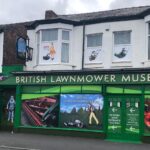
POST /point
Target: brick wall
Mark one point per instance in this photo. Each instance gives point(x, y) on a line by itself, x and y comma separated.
point(11, 33)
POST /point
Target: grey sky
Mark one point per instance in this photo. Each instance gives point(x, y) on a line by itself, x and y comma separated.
point(26, 10)
point(128, 3)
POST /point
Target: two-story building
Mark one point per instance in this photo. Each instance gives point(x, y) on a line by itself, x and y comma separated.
point(81, 74)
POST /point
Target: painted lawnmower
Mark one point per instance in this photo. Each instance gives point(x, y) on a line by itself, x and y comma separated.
point(122, 54)
point(76, 123)
point(94, 54)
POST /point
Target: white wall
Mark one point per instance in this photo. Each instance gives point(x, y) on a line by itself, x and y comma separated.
point(138, 38)
point(1, 50)
point(138, 43)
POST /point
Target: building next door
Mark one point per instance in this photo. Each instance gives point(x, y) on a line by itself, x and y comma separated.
point(124, 117)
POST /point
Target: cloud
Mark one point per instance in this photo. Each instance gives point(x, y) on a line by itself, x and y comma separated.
point(115, 4)
point(24, 10)
point(12, 11)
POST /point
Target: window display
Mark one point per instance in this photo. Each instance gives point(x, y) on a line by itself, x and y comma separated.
point(81, 111)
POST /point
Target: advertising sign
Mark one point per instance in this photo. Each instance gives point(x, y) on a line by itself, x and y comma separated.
point(114, 116)
point(81, 111)
point(132, 117)
point(147, 115)
point(93, 55)
point(122, 53)
point(21, 48)
point(39, 110)
point(48, 53)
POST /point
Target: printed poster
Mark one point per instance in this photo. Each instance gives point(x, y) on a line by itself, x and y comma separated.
point(81, 111)
point(48, 53)
point(147, 115)
point(39, 110)
point(122, 53)
point(93, 55)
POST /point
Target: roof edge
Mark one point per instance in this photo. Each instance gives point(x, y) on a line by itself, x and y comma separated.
point(85, 71)
point(86, 22)
point(49, 21)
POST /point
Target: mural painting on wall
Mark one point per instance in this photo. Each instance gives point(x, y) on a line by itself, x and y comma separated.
point(48, 53)
point(93, 55)
point(2, 78)
point(122, 53)
point(11, 108)
point(81, 111)
point(40, 110)
point(147, 115)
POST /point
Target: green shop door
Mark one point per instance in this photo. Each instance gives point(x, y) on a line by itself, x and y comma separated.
point(123, 119)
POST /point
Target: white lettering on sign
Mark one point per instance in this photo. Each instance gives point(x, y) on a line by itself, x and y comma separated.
point(93, 79)
point(80, 79)
point(89, 78)
point(125, 78)
point(31, 79)
point(143, 78)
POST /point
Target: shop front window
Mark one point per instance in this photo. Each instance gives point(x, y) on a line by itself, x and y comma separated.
point(78, 107)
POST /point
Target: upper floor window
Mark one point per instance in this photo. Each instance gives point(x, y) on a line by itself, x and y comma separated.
point(148, 41)
point(93, 48)
point(54, 46)
point(50, 35)
point(122, 46)
point(65, 47)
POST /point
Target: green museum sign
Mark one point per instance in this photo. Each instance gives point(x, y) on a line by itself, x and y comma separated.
point(78, 79)
point(85, 79)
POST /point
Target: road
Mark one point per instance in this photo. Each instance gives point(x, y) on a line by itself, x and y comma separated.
point(24, 141)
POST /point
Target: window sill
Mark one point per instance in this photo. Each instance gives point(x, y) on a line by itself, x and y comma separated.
point(56, 64)
point(54, 67)
point(146, 63)
point(122, 64)
point(94, 65)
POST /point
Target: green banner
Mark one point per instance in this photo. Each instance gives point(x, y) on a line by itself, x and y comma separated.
point(97, 78)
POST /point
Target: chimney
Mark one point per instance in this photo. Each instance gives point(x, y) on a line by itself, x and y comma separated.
point(49, 14)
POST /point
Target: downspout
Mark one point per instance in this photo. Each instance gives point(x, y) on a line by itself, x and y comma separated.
point(83, 46)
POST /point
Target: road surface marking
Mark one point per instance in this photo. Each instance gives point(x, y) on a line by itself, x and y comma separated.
point(17, 148)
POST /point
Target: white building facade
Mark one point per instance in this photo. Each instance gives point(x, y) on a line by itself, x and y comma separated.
point(119, 42)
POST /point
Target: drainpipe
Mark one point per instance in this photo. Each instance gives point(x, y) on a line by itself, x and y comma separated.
point(83, 46)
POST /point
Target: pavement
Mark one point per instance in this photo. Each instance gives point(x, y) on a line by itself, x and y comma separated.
point(26, 141)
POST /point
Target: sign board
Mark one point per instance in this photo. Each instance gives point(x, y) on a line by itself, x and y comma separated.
point(114, 116)
point(134, 78)
point(132, 117)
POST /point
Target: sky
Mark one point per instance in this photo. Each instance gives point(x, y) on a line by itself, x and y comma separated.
point(12, 11)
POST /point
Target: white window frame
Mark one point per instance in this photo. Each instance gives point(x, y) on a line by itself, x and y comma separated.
point(59, 45)
point(66, 42)
point(148, 44)
point(88, 52)
point(38, 38)
point(126, 46)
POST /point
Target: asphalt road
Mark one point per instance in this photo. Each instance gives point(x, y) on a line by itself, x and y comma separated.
point(20, 141)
